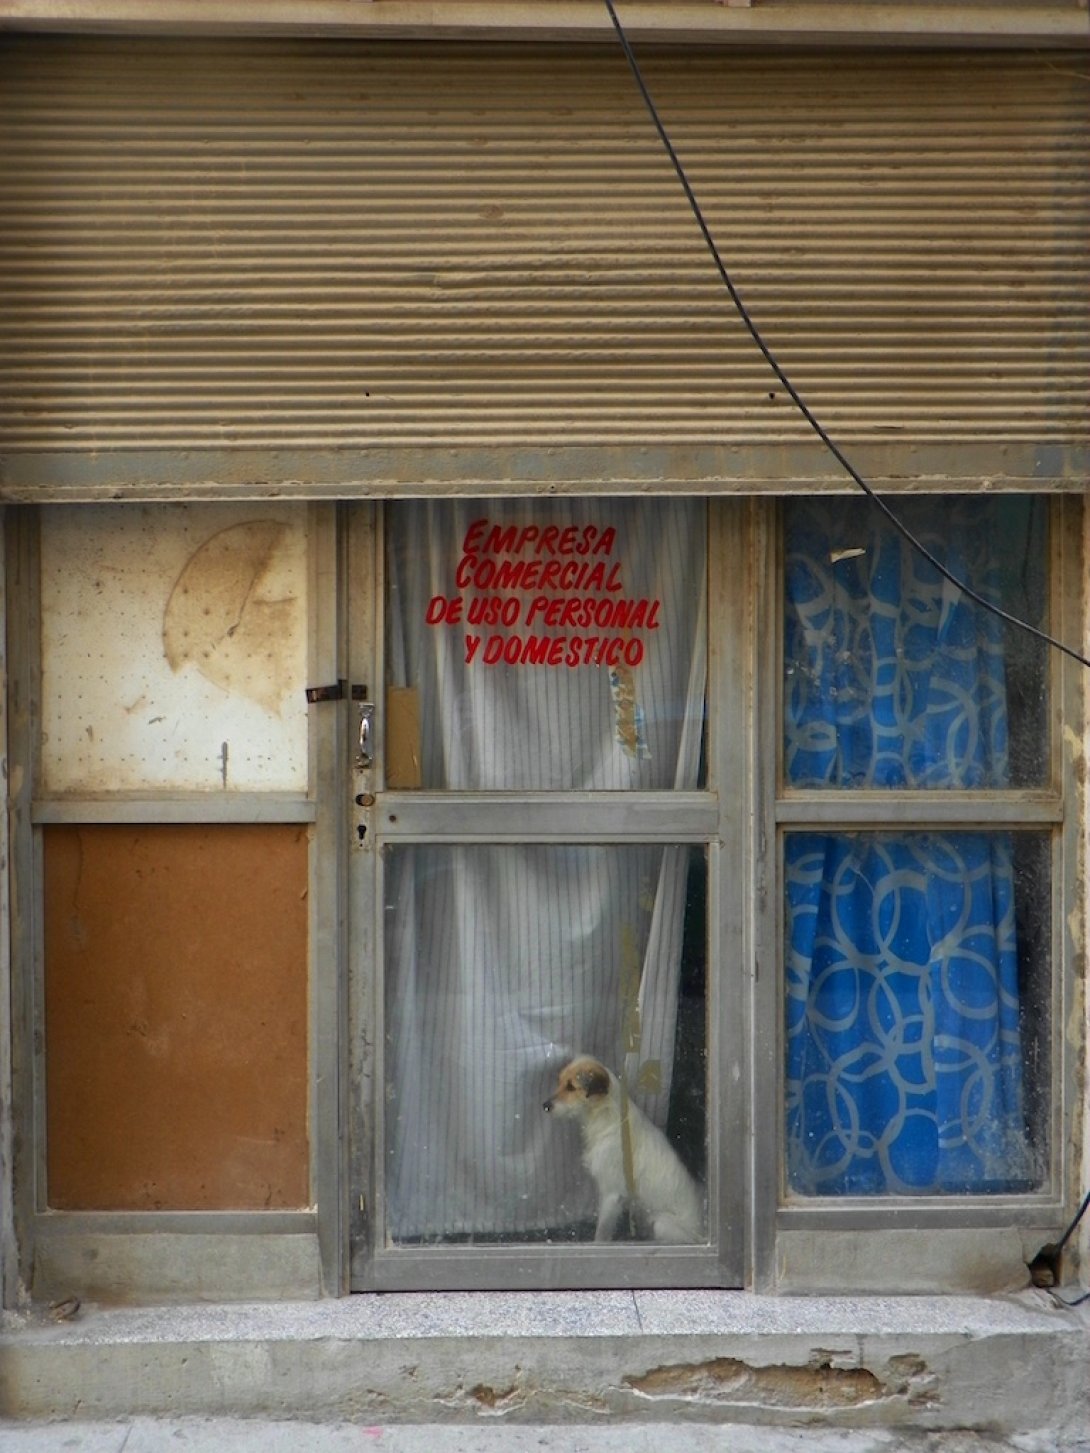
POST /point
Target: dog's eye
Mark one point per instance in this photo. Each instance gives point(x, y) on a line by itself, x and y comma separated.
point(570, 1085)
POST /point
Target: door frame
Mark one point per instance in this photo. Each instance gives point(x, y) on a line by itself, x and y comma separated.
point(716, 816)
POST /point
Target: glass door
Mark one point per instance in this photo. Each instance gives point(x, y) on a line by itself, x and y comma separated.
point(535, 939)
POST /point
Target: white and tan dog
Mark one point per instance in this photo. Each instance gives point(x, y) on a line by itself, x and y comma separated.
point(663, 1196)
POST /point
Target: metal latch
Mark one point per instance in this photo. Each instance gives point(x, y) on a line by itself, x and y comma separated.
point(364, 749)
point(335, 691)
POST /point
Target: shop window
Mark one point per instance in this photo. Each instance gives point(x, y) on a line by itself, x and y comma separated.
point(916, 945)
point(550, 856)
point(502, 964)
point(538, 905)
point(544, 660)
point(554, 647)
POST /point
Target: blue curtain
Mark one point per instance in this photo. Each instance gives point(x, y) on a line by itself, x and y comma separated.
point(903, 1021)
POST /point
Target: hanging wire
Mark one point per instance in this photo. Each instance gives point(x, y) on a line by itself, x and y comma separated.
point(1066, 1237)
point(841, 458)
point(792, 392)
point(1049, 1257)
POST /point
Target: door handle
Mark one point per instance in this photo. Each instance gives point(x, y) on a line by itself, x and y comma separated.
point(365, 736)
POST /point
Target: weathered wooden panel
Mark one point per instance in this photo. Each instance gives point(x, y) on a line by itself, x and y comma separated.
point(367, 246)
point(176, 1017)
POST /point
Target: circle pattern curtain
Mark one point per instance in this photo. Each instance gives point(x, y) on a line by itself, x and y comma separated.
point(904, 1012)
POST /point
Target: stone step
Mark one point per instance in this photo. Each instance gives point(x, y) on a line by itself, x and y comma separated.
point(1000, 1365)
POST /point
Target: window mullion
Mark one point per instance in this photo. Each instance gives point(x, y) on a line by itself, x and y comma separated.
point(895, 809)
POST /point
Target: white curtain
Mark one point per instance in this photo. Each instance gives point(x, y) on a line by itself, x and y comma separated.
point(504, 961)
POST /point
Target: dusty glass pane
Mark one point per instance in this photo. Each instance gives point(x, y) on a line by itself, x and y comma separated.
point(545, 644)
point(503, 966)
point(174, 647)
point(894, 679)
point(917, 1012)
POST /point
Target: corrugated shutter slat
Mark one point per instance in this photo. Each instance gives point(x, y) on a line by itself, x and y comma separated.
point(322, 244)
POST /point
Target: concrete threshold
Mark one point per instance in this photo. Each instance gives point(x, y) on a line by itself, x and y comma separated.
point(999, 1366)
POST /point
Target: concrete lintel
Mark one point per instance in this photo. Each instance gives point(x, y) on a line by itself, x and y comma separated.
point(1012, 1365)
point(754, 467)
point(685, 21)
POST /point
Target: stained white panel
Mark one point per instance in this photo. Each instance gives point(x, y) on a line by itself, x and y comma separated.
point(174, 648)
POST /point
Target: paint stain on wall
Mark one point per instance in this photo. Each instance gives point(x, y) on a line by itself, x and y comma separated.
point(226, 616)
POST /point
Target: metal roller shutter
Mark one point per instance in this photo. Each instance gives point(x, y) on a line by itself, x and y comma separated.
point(325, 266)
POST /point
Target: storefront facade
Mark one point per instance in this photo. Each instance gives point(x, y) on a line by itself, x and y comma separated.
point(438, 649)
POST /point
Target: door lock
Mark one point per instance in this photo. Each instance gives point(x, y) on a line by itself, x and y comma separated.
point(365, 739)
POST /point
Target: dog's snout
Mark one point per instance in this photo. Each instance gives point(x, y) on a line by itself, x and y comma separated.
point(548, 1105)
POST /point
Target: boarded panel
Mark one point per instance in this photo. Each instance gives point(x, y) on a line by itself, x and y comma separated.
point(336, 245)
point(174, 648)
point(176, 1017)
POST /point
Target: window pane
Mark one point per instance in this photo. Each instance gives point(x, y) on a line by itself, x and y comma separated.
point(548, 644)
point(174, 643)
point(891, 677)
point(916, 1015)
point(504, 964)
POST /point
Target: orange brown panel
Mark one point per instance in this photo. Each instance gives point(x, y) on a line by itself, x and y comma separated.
point(176, 1017)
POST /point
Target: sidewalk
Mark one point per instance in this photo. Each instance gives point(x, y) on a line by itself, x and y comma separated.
point(218, 1435)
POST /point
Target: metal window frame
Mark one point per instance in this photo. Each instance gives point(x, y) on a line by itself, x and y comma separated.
point(808, 1222)
point(165, 1254)
point(713, 817)
point(296, 1252)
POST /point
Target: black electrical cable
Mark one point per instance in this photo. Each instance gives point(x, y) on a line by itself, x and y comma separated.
point(1069, 1302)
point(793, 393)
point(833, 448)
point(1054, 1253)
point(1079, 1214)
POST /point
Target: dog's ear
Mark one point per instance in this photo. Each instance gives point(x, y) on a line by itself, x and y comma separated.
point(594, 1080)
